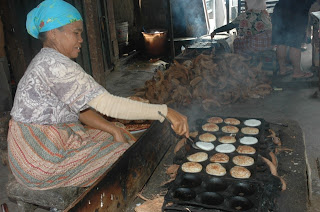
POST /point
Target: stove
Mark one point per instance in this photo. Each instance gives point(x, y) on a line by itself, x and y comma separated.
point(201, 191)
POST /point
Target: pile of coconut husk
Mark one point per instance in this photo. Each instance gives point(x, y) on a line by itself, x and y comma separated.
point(211, 80)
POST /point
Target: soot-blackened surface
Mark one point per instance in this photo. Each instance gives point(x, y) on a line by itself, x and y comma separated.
point(292, 167)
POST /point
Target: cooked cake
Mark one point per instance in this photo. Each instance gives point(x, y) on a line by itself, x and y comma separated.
point(219, 158)
point(250, 130)
point(240, 172)
point(243, 149)
point(191, 167)
point(210, 127)
point(215, 120)
point(227, 139)
point(230, 129)
point(242, 160)
point(232, 121)
point(207, 137)
point(198, 157)
point(215, 169)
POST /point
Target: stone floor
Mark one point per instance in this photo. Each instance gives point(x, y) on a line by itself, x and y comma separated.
point(293, 102)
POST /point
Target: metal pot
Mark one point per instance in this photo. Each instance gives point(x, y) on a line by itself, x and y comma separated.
point(155, 41)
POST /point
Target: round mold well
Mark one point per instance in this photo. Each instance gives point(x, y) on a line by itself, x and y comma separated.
point(268, 139)
point(190, 181)
point(261, 166)
point(240, 203)
point(210, 198)
point(243, 188)
point(263, 147)
point(215, 184)
point(184, 194)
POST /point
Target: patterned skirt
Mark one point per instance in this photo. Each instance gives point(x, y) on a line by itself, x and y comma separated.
point(51, 156)
point(253, 44)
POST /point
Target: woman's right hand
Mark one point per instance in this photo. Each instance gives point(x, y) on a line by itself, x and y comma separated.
point(179, 122)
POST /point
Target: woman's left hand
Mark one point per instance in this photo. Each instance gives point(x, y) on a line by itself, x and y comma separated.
point(119, 136)
point(179, 122)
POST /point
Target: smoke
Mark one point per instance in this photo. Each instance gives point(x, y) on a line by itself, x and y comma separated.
point(189, 19)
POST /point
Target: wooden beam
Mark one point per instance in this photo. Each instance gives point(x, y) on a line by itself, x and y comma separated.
point(18, 50)
point(92, 24)
point(114, 49)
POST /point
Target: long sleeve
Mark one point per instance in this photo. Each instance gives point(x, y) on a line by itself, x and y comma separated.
point(226, 27)
point(124, 108)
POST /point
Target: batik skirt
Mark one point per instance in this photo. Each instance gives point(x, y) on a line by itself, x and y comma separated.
point(51, 156)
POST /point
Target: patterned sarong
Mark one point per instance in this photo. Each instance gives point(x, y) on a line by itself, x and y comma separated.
point(51, 156)
point(253, 44)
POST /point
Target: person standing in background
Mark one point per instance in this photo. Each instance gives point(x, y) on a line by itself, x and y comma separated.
point(253, 29)
point(289, 23)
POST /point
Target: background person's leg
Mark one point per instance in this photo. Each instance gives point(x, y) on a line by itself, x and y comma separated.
point(281, 57)
point(295, 58)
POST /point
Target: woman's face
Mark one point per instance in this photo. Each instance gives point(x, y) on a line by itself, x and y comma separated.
point(67, 40)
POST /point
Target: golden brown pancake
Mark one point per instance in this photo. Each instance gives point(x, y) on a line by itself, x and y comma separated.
point(250, 130)
point(191, 167)
point(215, 120)
point(219, 158)
point(198, 157)
point(210, 127)
point(227, 139)
point(230, 129)
point(215, 169)
point(242, 160)
point(194, 134)
point(232, 121)
point(240, 172)
point(243, 149)
point(207, 137)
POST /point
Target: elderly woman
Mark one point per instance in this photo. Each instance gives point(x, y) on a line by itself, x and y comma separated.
point(49, 147)
point(253, 26)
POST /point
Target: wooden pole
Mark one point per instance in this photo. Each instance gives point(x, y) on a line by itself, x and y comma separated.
point(171, 35)
point(94, 41)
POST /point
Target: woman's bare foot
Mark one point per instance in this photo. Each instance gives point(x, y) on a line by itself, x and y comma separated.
point(285, 71)
point(302, 75)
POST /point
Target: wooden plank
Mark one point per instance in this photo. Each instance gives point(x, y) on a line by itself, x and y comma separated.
point(315, 17)
point(118, 187)
point(19, 52)
point(114, 49)
point(84, 57)
point(92, 25)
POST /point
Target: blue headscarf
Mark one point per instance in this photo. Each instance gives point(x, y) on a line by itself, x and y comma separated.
point(51, 14)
